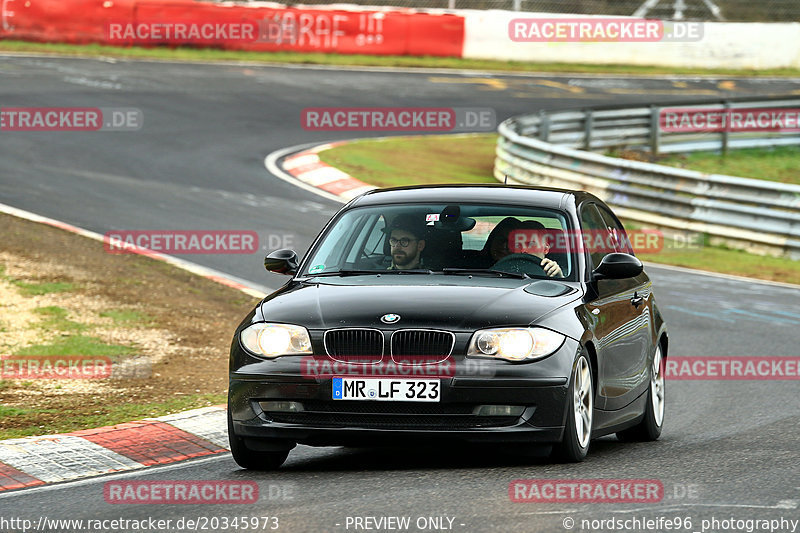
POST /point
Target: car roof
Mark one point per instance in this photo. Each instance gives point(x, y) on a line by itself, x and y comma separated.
point(467, 193)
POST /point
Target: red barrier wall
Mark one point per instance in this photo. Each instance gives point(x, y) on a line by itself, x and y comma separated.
point(269, 29)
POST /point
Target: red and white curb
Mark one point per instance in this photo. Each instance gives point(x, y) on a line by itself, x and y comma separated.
point(305, 169)
point(31, 461)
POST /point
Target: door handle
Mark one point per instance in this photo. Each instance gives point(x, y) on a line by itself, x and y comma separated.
point(637, 300)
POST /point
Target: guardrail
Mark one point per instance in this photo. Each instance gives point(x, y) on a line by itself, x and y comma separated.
point(757, 215)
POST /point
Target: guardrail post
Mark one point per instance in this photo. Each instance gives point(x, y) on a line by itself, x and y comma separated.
point(588, 124)
point(655, 129)
point(726, 130)
point(544, 126)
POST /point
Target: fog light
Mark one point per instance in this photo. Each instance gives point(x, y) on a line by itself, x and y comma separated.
point(282, 407)
point(499, 410)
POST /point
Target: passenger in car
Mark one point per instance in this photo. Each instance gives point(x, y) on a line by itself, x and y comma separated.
point(497, 249)
point(528, 239)
point(496, 246)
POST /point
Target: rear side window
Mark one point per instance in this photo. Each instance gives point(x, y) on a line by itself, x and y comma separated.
point(594, 233)
point(617, 232)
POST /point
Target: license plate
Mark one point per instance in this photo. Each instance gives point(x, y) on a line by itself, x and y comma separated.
point(387, 390)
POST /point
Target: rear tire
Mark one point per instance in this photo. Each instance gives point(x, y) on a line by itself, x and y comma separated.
point(250, 459)
point(649, 428)
point(574, 445)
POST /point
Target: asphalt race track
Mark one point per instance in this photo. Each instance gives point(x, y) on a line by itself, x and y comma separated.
point(729, 448)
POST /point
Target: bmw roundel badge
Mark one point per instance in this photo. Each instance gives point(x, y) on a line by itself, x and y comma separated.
point(390, 318)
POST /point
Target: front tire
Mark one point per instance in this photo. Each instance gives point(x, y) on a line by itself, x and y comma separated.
point(578, 430)
point(250, 459)
point(649, 428)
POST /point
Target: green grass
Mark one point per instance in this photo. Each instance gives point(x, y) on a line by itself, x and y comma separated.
point(114, 413)
point(10, 411)
point(77, 345)
point(55, 318)
point(727, 261)
point(449, 159)
point(127, 317)
point(38, 289)
point(777, 164)
point(416, 160)
point(210, 54)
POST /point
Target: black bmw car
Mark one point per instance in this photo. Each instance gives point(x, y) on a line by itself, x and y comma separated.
point(491, 314)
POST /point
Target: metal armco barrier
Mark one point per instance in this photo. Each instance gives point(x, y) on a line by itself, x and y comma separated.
point(757, 215)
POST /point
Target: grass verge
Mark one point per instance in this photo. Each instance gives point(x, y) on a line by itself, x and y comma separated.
point(777, 164)
point(122, 412)
point(166, 332)
point(469, 159)
point(210, 54)
point(411, 160)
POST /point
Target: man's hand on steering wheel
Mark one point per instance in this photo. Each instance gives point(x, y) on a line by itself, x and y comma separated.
point(551, 268)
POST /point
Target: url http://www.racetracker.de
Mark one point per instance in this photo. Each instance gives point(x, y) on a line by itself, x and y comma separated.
point(178, 525)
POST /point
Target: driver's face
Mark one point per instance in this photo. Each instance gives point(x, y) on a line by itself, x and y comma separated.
point(520, 243)
point(405, 257)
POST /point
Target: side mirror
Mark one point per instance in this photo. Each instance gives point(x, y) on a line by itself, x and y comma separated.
point(618, 266)
point(281, 262)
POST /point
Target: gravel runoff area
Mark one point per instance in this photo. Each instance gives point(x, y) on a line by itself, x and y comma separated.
point(174, 329)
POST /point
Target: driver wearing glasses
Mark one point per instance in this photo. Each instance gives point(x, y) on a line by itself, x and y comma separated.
point(406, 242)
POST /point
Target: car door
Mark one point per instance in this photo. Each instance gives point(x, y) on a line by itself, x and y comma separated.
point(620, 311)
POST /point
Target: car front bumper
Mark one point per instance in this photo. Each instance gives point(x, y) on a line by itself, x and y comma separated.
point(539, 387)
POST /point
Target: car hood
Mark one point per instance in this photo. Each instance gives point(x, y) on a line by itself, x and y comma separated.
point(459, 305)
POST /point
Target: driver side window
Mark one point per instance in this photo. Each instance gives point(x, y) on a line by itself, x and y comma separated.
point(369, 244)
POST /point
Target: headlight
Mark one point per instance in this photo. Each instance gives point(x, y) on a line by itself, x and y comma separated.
point(515, 344)
point(273, 340)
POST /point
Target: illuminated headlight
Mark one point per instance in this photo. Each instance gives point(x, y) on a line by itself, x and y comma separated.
point(273, 340)
point(515, 344)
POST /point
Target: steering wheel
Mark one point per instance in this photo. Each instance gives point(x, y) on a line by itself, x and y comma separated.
point(522, 263)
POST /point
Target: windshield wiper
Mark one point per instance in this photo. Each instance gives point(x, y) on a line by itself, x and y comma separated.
point(345, 273)
point(356, 272)
point(409, 271)
point(489, 271)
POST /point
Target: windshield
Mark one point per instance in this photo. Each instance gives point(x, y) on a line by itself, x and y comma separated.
point(444, 238)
